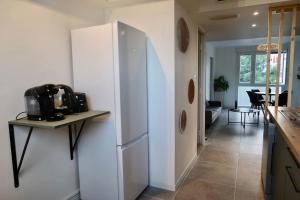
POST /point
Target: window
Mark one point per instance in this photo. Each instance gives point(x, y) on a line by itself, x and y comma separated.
point(245, 68)
point(260, 68)
point(254, 71)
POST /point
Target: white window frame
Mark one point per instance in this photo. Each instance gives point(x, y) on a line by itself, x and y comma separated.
point(253, 71)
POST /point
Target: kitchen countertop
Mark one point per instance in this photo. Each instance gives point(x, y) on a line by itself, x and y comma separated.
point(289, 131)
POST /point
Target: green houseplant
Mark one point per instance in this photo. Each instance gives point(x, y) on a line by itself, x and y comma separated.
point(221, 84)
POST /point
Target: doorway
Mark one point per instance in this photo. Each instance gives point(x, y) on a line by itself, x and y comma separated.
point(211, 78)
point(201, 94)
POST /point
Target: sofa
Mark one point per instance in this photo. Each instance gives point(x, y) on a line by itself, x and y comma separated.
point(213, 110)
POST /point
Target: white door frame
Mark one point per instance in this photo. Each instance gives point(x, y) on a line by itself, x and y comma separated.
point(201, 87)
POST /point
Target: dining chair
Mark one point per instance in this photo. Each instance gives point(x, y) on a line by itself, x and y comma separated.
point(259, 96)
point(256, 103)
point(282, 99)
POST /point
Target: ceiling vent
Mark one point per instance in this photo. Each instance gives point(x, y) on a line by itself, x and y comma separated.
point(224, 17)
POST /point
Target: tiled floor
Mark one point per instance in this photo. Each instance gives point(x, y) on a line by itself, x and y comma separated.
point(228, 167)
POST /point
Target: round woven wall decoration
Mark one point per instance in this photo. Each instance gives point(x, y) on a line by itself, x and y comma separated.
point(182, 121)
point(183, 35)
point(191, 91)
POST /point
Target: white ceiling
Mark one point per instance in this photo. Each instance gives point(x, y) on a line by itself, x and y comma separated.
point(91, 10)
point(239, 28)
point(97, 3)
point(200, 10)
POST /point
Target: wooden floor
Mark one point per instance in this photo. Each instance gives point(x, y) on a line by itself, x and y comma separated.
point(228, 166)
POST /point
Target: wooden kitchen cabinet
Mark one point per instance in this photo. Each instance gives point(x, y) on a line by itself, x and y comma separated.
point(285, 156)
point(292, 177)
point(292, 184)
point(285, 172)
point(278, 168)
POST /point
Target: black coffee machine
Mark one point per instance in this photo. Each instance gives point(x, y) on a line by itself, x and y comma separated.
point(39, 102)
point(81, 103)
point(68, 102)
point(51, 102)
point(64, 100)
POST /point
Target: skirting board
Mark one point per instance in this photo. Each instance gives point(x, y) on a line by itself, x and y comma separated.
point(73, 196)
point(186, 171)
point(163, 186)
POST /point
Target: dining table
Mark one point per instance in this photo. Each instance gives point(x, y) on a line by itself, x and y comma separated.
point(264, 93)
point(271, 94)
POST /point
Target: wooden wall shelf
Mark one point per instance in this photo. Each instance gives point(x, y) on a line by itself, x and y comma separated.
point(68, 121)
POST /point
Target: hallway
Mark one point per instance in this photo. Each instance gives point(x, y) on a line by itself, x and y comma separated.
point(227, 168)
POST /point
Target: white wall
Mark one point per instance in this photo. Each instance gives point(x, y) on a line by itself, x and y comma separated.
point(34, 50)
point(226, 66)
point(157, 21)
point(209, 53)
point(296, 82)
point(186, 68)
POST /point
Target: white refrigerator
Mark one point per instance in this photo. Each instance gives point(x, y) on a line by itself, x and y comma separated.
point(109, 65)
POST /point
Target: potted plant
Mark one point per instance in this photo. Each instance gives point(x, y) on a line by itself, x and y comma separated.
point(221, 85)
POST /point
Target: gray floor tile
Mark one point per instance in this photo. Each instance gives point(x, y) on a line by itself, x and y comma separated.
point(220, 157)
point(248, 195)
point(159, 193)
point(226, 146)
point(213, 173)
point(227, 168)
point(251, 148)
point(248, 179)
point(143, 197)
point(250, 160)
point(200, 190)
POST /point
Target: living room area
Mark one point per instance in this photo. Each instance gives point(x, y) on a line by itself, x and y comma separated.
point(239, 70)
point(236, 68)
point(236, 73)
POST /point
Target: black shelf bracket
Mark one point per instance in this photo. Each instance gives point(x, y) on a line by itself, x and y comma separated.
point(73, 146)
point(16, 166)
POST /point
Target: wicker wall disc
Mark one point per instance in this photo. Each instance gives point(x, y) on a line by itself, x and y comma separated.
point(191, 91)
point(182, 121)
point(183, 35)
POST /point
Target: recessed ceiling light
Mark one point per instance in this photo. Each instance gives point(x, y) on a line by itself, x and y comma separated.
point(253, 25)
point(256, 13)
